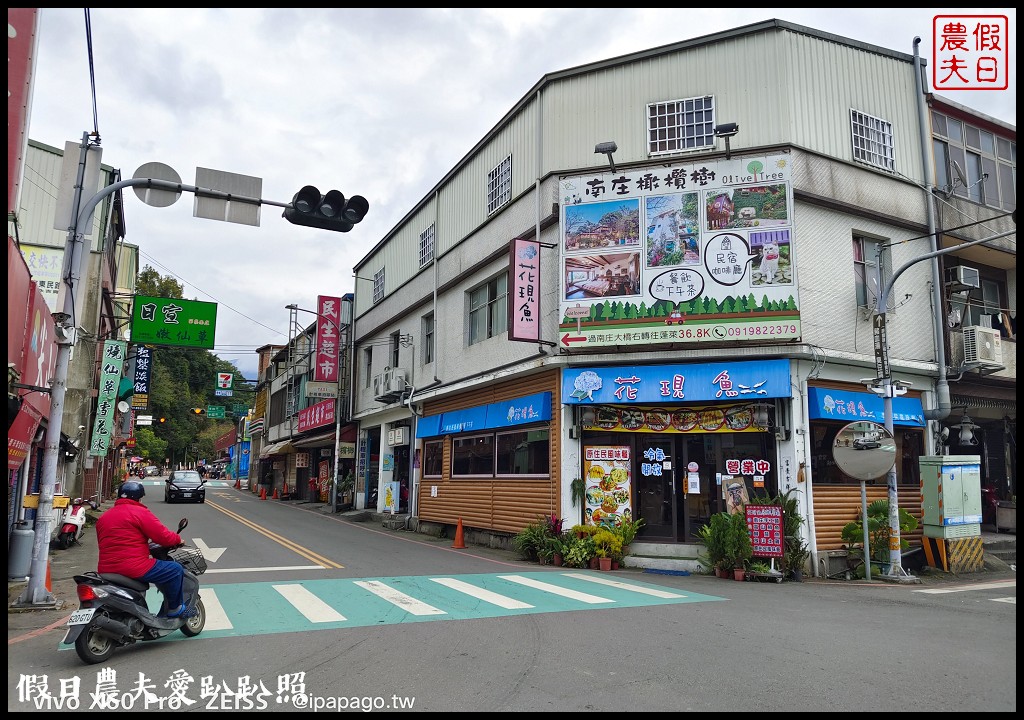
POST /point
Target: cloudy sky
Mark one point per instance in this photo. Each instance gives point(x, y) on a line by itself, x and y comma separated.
point(371, 101)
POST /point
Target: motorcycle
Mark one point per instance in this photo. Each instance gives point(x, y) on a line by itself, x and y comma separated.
point(113, 612)
point(71, 526)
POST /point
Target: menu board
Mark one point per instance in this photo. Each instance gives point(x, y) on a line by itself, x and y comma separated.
point(608, 493)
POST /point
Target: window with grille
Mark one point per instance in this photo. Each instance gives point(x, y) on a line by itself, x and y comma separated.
point(378, 286)
point(427, 246)
point(396, 342)
point(681, 125)
point(368, 365)
point(488, 309)
point(974, 163)
point(428, 338)
point(872, 141)
point(499, 185)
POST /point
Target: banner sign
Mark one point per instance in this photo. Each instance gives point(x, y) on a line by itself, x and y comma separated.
point(45, 264)
point(174, 321)
point(524, 303)
point(20, 435)
point(316, 415)
point(764, 524)
point(143, 371)
point(691, 419)
point(328, 338)
point(111, 367)
point(679, 253)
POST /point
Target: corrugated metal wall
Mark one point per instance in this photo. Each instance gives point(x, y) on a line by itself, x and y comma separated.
point(504, 505)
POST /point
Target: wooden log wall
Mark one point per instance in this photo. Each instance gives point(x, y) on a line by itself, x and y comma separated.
point(837, 505)
point(500, 504)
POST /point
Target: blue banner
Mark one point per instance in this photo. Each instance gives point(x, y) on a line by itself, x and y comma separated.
point(699, 382)
point(849, 406)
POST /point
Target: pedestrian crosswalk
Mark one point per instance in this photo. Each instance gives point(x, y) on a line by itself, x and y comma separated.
point(275, 607)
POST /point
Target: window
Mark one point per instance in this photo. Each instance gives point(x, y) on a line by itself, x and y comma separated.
point(865, 271)
point(428, 338)
point(368, 364)
point(983, 305)
point(499, 185)
point(433, 458)
point(680, 125)
point(473, 455)
point(975, 164)
point(523, 452)
point(396, 342)
point(872, 141)
point(378, 286)
point(506, 453)
point(488, 309)
point(427, 246)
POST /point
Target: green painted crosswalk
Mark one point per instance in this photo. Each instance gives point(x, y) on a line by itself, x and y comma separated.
point(241, 609)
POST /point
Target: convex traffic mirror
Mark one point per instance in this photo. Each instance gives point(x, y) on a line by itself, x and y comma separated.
point(864, 450)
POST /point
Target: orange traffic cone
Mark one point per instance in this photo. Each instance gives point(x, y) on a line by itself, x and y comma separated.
point(459, 543)
point(263, 493)
point(49, 582)
point(274, 496)
point(238, 484)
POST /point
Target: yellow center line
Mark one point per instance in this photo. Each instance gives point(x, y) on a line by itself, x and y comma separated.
point(298, 549)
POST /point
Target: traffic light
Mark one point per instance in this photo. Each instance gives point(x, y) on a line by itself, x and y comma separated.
point(327, 212)
point(163, 420)
point(199, 411)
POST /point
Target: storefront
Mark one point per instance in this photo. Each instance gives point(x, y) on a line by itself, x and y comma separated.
point(837, 496)
point(490, 457)
point(674, 444)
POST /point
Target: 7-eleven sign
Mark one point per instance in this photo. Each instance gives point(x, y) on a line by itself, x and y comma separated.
point(225, 384)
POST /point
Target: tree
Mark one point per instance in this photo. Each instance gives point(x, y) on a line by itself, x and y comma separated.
point(151, 283)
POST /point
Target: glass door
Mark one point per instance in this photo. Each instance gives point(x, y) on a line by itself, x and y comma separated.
point(654, 471)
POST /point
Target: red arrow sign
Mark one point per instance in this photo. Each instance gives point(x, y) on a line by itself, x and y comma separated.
point(566, 339)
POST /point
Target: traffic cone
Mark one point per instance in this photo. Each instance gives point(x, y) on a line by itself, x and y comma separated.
point(274, 496)
point(238, 484)
point(49, 582)
point(459, 543)
point(263, 493)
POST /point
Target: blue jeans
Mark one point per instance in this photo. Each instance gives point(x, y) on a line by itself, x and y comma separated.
point(167, 576)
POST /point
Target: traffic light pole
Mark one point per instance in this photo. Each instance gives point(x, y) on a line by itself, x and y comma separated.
point(35, 594)
point(885, 386)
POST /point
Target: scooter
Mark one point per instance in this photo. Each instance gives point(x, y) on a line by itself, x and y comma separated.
point(71, 526)
point(113, 612)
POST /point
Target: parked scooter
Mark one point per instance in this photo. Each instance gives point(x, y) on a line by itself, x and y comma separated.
point(71, 525)
point(113, 612)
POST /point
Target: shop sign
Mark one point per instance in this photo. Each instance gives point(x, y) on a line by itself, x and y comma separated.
point(174, 321)
point(301, 460)
point(764, 523)
point(692, 419)
point(608, 493)
point(316, 415)
point(524, 301)
point(328, 339)
point(699, 382)
point(111, 367)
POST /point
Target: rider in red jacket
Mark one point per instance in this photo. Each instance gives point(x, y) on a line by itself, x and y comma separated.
point(123, 535)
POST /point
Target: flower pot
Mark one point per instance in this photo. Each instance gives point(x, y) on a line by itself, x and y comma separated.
point(556, 559)
point(739, 574)
point(604, 563)
point(798, 576)
point(615, 564)
point(593, 563)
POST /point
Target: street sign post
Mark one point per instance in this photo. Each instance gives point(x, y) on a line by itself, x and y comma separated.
point(881, 347)
point(215, 412)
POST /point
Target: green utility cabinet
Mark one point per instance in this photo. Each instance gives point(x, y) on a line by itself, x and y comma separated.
point(951, 496)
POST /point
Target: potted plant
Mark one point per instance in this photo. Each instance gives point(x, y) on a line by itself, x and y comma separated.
point(627, 532)
point(578, 494)
point(530, 539)
point(607, 546)
point(740, 546)
point(713, 537)
point(878, 535)
point(580, 552)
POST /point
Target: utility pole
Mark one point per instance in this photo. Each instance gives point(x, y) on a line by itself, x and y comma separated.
point(885, 386)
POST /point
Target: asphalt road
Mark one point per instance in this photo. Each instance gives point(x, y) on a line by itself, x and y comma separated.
point(309, 607)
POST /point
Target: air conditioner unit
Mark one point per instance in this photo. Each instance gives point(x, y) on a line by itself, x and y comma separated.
point(962, 277)
point(397, 382)
point(983, 346)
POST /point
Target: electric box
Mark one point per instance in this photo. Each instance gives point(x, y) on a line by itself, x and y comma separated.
point(951, 495)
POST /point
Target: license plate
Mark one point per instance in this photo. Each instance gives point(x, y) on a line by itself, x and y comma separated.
point(186, 494)
point(82, 617)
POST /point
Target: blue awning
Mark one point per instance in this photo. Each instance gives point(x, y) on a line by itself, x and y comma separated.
point(849, 406)
point(519, 411)
point(428, 426)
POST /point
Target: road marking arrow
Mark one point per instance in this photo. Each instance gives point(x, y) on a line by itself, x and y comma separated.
point(211, 554)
